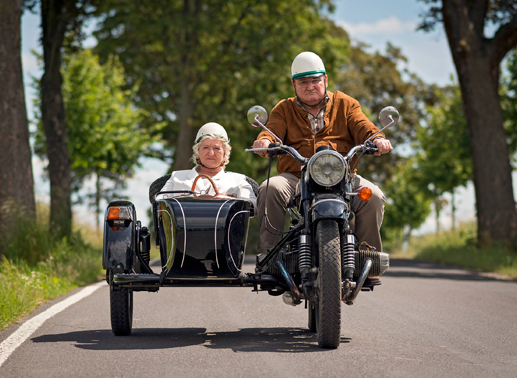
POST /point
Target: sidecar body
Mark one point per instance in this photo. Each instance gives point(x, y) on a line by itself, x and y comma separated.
point(201, 241)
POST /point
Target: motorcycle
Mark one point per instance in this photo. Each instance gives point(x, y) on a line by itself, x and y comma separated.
point(202, 241)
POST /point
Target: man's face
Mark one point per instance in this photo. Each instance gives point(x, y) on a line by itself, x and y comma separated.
point(310, 90)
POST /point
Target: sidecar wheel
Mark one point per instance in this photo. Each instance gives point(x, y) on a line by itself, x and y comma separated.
point(328, 304)
point(121, 306)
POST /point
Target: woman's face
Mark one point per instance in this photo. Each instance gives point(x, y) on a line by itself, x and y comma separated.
point(211, 152)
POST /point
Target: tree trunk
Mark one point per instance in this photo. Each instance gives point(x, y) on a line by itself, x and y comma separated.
point(186, 135)
point(17, 186)
point(477, 63)
point(98, 191)
point(453, 211)
point(189, 39)
point(437, 209)
point(53, 19)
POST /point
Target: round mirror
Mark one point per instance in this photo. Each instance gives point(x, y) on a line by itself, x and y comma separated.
point(260, 113)
point(388, 114)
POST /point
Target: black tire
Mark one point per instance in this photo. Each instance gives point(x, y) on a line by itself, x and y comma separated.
point(312, 317)
point(121, 306)
point(328, 305)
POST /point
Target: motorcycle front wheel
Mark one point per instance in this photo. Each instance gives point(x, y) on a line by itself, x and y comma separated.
point(328, 304)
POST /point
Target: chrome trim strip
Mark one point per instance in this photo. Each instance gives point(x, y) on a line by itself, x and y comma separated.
point(228, 236)
point(215, 233)
point(329, 200)
point(184, 232)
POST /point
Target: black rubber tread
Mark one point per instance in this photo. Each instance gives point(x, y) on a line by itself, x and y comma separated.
point(253, 184)
point(312, 318)
point(157, 185)
point(328, 307)
point(121, 308)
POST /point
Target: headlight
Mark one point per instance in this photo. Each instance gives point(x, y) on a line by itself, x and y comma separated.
point(327, 168)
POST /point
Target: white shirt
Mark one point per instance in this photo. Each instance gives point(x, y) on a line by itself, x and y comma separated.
point(226, 183)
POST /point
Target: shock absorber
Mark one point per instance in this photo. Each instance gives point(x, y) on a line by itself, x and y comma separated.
point(348, 256)
point(305, 251)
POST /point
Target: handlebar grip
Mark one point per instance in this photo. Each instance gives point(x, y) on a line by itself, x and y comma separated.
point(371, 148)
point(277, 152)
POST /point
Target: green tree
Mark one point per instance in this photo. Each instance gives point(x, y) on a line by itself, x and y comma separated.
point(61, 23)
point(201, 61)
point(508, 92)
point(105, 140)
point(477, 58)
point(444, 159)
point(407, 205)
point(17, 188)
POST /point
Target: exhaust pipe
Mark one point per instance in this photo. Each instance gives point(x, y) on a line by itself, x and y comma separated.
point(349, 299)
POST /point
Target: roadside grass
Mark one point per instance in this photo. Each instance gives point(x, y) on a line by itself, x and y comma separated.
point(458, 247)
point(36, 267)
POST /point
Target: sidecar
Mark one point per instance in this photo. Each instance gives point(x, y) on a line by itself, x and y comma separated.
point(202, 241)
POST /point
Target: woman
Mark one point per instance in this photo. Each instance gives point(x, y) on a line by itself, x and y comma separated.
point(211, 155)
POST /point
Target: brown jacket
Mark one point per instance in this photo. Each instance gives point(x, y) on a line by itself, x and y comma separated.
point(345, 127)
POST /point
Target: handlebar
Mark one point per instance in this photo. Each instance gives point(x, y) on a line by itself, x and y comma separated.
point(283, 149)
point(367, 149)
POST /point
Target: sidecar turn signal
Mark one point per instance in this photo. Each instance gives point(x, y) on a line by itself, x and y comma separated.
point(365, 194)
point(119, 213)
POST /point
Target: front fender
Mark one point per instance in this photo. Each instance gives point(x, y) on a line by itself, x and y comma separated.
point(329, 208)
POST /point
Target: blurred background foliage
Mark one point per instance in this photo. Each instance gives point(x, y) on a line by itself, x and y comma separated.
point(172, 66)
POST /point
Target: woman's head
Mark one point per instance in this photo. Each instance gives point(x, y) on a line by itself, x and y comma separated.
point(212, 147)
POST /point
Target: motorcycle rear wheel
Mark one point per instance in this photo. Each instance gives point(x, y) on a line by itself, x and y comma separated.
point(328, 304)
point(121, 309)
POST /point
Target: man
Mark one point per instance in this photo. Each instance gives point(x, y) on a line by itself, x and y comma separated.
point(314, 118)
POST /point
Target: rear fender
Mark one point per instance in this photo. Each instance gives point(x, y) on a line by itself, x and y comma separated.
point(120, 235)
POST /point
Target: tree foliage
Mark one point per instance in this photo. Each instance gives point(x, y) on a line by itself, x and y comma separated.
point(444, 160)
point(105, 139)
point(211, 60)
point(508, 92)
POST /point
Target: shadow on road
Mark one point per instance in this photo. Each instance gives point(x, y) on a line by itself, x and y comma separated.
point(291, 340)
point(406, 268)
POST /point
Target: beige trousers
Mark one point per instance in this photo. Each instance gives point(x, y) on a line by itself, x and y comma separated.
point(368, 214)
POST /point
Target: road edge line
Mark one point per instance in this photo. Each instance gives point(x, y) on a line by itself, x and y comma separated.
point(9, 345)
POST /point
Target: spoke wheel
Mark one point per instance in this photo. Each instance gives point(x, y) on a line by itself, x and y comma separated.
point(121, 306)
point(328, 305)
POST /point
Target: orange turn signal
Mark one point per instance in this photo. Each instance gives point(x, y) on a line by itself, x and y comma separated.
point(365, 194)
point(113, 213)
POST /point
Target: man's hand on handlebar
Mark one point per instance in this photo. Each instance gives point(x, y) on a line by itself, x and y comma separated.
point(383, 145)
point(261, 143)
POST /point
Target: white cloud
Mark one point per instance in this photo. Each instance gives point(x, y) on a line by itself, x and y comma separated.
point(385, 26)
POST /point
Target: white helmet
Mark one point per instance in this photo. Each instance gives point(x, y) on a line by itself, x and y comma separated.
point(211, 129)
point(307, 64)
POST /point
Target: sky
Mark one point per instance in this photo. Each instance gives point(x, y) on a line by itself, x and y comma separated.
point(374, 22)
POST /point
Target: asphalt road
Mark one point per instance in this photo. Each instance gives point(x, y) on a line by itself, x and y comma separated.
point(425, 320)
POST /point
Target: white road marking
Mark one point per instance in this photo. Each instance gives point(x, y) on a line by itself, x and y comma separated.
point(8, 346)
